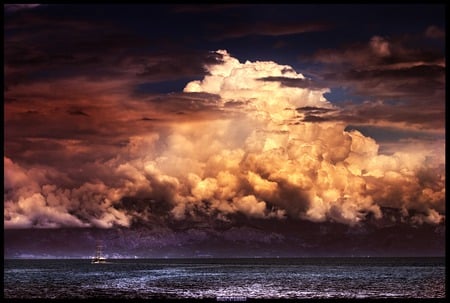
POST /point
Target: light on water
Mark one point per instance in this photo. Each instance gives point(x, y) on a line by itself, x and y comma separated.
point(226, 279)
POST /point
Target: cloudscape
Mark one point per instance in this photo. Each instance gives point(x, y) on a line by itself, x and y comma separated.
point(224, 130)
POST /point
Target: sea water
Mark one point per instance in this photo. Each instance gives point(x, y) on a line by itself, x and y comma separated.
point(226, 279)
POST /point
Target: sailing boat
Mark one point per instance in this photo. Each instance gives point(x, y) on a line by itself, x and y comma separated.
point(98, 258)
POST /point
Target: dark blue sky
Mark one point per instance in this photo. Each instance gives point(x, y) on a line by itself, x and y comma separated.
point(295, 35)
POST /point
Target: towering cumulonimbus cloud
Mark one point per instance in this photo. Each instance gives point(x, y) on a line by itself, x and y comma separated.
point(259, 158)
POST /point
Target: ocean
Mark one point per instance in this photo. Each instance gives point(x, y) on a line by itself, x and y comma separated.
point(225, 279)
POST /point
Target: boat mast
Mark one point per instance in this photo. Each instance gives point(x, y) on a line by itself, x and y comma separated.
point(98, 252)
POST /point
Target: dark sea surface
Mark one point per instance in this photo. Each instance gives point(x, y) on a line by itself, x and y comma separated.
point(226, 279)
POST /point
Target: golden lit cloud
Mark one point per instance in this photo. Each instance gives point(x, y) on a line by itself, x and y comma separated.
point(260, 162)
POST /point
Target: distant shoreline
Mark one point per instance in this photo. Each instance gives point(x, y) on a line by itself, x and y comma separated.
point(235, 258)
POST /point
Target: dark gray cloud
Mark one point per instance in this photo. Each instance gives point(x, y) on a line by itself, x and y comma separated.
point(435, 32)
point(186, 8)
point(182, 64)
point(318, 114)
point(269, 28)
point(295, 82)
point(386, 68)
point(10, 8)
point(77, 112)
point(150, 119)
point(401, 78)
point(315, 110)
point(314, 118)
point(41, 46)
point(427, 117)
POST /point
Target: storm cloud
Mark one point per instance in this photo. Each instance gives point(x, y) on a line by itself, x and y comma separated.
point(257, 158)
point(401, 79)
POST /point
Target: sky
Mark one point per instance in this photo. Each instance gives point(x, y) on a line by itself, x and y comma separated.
point(123, 116)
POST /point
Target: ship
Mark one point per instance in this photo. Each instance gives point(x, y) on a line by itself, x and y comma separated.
point(98, 257)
